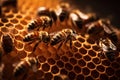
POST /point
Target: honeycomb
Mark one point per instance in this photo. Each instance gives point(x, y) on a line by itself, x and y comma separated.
point(79, 63)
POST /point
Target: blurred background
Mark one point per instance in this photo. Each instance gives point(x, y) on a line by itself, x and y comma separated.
point(103, 8)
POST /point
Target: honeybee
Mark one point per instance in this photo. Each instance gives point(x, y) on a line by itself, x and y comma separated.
point(63, 36)
point(79, 19)
point(25, 65)
point(7, 43)
point(40, 22)
point(41, 36)
point(107, 48)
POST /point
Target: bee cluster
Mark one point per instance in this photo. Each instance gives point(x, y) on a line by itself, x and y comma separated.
point(58, 44)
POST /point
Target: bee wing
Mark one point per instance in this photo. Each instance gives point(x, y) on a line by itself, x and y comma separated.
point(112, 46)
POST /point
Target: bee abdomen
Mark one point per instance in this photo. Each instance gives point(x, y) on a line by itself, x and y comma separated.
point(7, 43)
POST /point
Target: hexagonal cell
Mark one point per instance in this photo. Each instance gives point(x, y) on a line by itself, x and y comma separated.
point(95, 73)
point(73, 61)
point(10, 16)
point(81, 40)
point(96, 60)
point(48, 76)
point(71, 75)
point(51, 61)
point(68, 66)
point(115, 65)
point(80, 77)
point(63, 71)
point(109, 71)
point(64, 58)
point(4, 20)
point(100, 68)
point(4, 29)
point(85, 71)
point(7, 25)
point(91, 41)
point(77, 44)
point(87, 58)
point(89, 78)
point(87, 46)
point(90, 65)
point(54, 69)
point(14, 21)
point(92, 53)
point(60, 64)
point(104, 77)
point(106, 63)
point(23, 22)
point(81, 62)
point(83, 51)
point(77, 69)
point(19, 26)
point(74, 49)
point(45, 67)
point(41, 59)
point(96, 48)
point(78, 55)
point(69, 54)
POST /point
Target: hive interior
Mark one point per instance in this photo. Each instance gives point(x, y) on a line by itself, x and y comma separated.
point(78, 63)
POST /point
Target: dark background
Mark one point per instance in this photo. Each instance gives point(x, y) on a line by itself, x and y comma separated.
point(103, 8)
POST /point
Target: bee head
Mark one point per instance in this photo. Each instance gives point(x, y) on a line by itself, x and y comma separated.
point(46, 39)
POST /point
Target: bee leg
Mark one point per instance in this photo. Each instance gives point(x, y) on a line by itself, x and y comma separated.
point(35, 46)
point(60, 45)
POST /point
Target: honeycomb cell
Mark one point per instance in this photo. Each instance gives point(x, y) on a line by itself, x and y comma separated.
point(8, 25)
point(69, 54)
point(18, 16)
point(91, 41)
point(81, 62)
point(82, 50)
point(4, 20)
point(27, 48)
point(23, 22)
point(91, 65)
point(1, 24)
point(92, 53)
point(89, 78)
point(41, 59)
point(19, 26)
point(100, 68)
point(4, 29)
point(40, 73)
point(57, 78)
point(106, 62)
point(21, 54)
point(19, 38)
point(45, 67)
point(96, 60)
point(95, 73)
point(81, 40)
point(87, 46)
point(60, 64)
point(64, 58)
point(27, 17)
point(48, 76)
point(87, 58)
point(77, 44)
point(71, 75)
point(103, 77)
point(80, 77)
point(77, 69)
point(78, 56)
point(109, 71)
point(73, 61)
point(19, 45)
point(63, 71)
point(85, 71)
point(68, 66)
point(51, 61)
point(10, 16)
point(54, 69)
point(96, 48)
point(14, 21)
point(14, 31)
point(74, 49)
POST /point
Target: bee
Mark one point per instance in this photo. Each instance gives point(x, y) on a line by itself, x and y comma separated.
point(44, 11)
point(63, 12)
point(63, 36)
point(40, 22)
point(40, 36)
point(79, 19)
point(25, 65)
point(107, 48)
point(108, 31)
point(7, 43)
